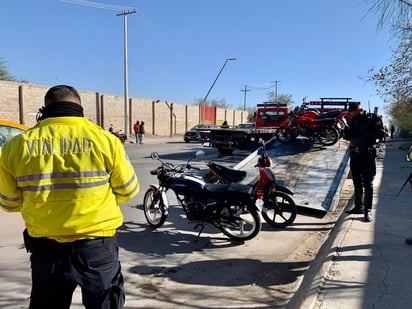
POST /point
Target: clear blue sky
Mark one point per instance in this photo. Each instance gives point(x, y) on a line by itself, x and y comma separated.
point(315, 48)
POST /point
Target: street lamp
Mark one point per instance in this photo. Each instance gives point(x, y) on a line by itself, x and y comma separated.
point(210, 89)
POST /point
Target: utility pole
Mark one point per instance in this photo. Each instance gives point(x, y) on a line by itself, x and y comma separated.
point(276, 84)
point(244, 97)
point(124, 13)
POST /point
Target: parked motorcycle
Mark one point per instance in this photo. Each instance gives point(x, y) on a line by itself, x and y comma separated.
point(230, 207)
point(118, 134)
point(317, 130)
point(279, 209)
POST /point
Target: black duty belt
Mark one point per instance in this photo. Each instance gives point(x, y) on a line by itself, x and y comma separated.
point(51, 244)
point(360, 149)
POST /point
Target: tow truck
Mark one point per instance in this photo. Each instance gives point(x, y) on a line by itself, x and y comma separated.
point(268, 117)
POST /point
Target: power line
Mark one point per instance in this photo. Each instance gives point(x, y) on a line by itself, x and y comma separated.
point(98, 5)
point(276, 84)
point(141, 20)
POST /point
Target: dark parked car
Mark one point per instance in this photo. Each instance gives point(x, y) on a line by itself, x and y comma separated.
point(199, 133)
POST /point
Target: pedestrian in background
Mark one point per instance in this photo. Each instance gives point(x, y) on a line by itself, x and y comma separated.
point(142, 131)
point(66, 176)
point(392, 130)
point(364, 131)
point(136, 129)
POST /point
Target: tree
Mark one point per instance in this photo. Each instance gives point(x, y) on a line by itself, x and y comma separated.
point(394, 81)
point(281, 98)
point(4, 71)
point(395, 13)
point(221, 103)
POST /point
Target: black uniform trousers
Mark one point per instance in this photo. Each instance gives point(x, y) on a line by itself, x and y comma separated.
point(57, 269)
point(363, 169)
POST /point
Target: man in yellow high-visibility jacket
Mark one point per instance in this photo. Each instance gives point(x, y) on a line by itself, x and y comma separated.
point(66, 176)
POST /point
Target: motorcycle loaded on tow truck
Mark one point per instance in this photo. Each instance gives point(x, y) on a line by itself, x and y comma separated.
point(300, 122)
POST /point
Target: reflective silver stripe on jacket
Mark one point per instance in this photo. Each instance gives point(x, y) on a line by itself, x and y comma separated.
point(8, 207)
point(131, 192)
point(126, 184)
point(61, 175)
point(65, 186)
point(7, 198)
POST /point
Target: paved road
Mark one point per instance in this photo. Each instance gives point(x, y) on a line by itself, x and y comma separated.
point(168, 268)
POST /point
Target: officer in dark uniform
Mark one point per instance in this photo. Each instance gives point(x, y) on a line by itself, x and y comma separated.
point(363, 132)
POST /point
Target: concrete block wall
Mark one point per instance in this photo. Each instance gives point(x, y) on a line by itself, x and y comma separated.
point(20, 102)
point(9, 101)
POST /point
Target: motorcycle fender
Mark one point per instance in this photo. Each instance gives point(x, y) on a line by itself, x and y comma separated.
point(165, 200)
point(283, 189)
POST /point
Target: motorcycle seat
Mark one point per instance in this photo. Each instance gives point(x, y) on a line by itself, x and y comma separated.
point(234, 191)
point(324, 121)
point(229, 174)
point(252, 176)
point(332, 114)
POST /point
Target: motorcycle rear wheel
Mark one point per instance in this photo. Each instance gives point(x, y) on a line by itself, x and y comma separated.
point(328, 136)
point(279, 210)
point(239, 222)
point(153, 207)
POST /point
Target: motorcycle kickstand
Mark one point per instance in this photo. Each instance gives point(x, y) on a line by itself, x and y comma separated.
point(202, 227)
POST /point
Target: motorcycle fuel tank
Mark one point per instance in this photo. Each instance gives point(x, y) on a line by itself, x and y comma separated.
point(187, 184)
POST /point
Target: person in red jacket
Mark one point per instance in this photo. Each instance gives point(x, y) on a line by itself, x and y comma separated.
point(136, 129)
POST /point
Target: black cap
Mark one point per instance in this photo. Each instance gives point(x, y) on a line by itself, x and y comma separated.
point(353, 106)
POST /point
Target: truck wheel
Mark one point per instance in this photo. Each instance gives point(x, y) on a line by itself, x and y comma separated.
point(225, 151)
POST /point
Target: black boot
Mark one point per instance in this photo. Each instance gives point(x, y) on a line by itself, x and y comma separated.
point(368, 215)
point(355, 210)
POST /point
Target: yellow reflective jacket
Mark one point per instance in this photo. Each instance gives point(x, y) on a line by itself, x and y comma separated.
point(66, 175)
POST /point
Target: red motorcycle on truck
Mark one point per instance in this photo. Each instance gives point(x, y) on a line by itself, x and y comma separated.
point(279, 209)
point(341, 116)
point(305, 123)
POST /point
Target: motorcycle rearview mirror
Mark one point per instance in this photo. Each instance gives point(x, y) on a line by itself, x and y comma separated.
point(199, 154)
point(154, 155)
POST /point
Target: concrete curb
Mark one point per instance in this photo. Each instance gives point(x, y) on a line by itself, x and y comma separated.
point(311, 283)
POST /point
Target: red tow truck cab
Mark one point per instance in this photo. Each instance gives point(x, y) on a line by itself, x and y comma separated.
point(271, 115)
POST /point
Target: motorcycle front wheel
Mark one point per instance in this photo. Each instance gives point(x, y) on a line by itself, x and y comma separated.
point(279, 210)
point(285, 136)
point(239, 222)
point(153, 207)
point(328, 136)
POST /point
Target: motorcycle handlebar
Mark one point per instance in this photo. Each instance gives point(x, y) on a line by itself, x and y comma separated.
point(193, 167)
